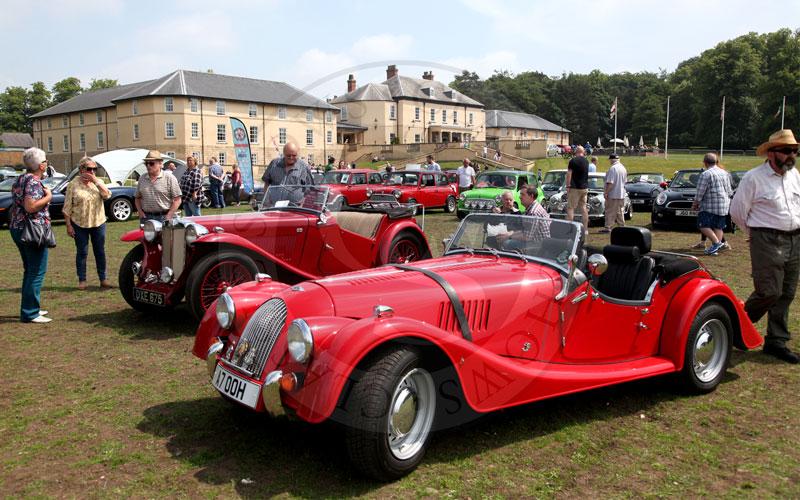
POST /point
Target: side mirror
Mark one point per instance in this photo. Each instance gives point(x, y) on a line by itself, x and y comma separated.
point(597, 264)
point(446, 242)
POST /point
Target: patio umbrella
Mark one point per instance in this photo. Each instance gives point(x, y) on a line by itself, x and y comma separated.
point(641, 141)
point(618, 141)
point(656, 141)
point(599, 144)
point(625, 142)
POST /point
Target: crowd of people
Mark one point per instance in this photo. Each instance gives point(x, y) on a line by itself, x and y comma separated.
point(766, 206)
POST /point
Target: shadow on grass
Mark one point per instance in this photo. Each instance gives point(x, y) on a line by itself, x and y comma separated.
point(136, 325)
point(230, 444)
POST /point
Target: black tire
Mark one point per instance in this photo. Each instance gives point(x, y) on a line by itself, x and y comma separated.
point(708, 349)
point(451, 204)
point(629, 214)
point(206, 200)
point(460, 214)
point(406, 247)
point(120, 209)
point(208, 278)
point(383, 441)
point(127, 280)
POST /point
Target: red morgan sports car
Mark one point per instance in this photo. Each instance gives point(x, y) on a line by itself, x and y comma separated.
point(292, 238)
point(350, 186)
point(427, 188)
point(513, 312)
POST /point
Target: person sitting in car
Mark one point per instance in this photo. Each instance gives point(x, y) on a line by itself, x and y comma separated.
point(534, 231)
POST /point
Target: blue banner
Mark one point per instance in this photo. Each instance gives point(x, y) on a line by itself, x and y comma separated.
point(241, 148)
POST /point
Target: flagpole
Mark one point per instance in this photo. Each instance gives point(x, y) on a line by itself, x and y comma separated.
point(722, 131)
point(783, 110)
point(616, 112)
point(666, 140)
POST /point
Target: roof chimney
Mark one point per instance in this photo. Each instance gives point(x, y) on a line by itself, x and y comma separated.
point(391, 71)
point(351, 84)
point(428, 75)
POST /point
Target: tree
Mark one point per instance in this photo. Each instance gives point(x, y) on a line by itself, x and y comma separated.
point(66, 89)
point(13, 107)
point(102, 83)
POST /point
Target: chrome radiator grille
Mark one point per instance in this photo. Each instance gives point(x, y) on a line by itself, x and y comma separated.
point(259, 336)
point(173, 247)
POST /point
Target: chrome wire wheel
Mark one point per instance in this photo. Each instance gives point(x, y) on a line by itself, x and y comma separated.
point(709, 353)
point(411, 413)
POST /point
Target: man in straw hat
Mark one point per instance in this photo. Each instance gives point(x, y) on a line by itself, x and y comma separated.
point(767, 206)
point(158, 195)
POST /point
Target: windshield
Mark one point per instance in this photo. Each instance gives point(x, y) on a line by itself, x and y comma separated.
point(736, 178)
point(335, 177)
point(685, 179)
point(293, 196)
point(504, 181)
point(545, 240)
point(553, 180)
point(404, 178)
point(597, 182)
point(49, 183)
point(644, 178)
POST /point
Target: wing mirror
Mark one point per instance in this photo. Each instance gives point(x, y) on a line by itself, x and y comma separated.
point(446, 242)
point(597, 264)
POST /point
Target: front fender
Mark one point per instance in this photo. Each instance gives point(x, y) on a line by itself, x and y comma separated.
point(395, 229)
point(134, 235)
point(685, 305)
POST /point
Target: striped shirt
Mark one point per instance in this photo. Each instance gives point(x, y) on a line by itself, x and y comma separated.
point(714, 191)
point(157, 195)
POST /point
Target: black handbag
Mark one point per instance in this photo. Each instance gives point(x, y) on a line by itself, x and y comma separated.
point(36, 235)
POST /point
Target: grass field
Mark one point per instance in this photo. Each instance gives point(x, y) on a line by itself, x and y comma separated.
point(105, 401)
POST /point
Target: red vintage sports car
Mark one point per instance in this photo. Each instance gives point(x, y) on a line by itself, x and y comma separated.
point(350, 187)
point(427, 188)
point(514, 312)
point(292, 238)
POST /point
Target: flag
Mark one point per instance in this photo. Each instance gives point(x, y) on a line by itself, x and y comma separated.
point(614, 109)
point(241, 147)
point(777, 113)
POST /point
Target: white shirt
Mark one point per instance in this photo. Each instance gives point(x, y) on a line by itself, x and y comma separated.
point(616, 176)
point(766, 199)
point(465, 175)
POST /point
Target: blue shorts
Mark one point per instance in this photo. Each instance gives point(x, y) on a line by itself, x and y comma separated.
point(713, 221)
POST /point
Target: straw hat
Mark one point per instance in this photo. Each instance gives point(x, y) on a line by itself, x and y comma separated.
point(783, 137)
point(153, 154)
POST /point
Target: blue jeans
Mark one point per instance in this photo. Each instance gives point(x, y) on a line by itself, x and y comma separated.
point(191, 208)
point(34, 261)
point(217, 198)
point(98, 237)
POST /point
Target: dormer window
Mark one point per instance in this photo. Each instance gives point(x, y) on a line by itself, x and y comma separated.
point(449, 94)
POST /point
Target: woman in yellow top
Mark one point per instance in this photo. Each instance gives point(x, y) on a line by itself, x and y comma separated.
point(85, 216)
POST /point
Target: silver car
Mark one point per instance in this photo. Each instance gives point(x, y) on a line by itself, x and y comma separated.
point(595, 203)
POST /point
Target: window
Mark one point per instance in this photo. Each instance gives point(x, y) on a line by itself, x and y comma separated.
point(309, 115)
point(309, 137)
point(470, 118)
point(50, 123)
point(344, 113)
point(282, 112)
point(100, 140)
point(195, 130)
point(80, 120)
point(433, 115)
point(221, 136)
point(329, 116)
point(66, 143)
point(455, 117)
point(49, 144)
point(392, 112)
point(99, 116)
point(359, 179)
point(134, 107)
point(169, 106)
point(221, 157)
point(416, 113)
point(417, 138)
point(253, 135)
point(392, 137)
point(169, 130)
point(171, 154)
point(254, 159)
point(82, 142)
point(194, 105)
point(281, 136)
point(220, 108)
point(375, 178)
point(329, 136)
point(444, 116)
point(135, 131)
point(545, 135)
point(64, 121)
point(252, 110)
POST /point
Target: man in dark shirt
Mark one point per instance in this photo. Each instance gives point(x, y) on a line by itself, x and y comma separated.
point(287, 171)
point(578, 186)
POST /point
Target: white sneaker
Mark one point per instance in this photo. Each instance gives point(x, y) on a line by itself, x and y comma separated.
point(43, 312)
point(725, 246)
point(41, 319)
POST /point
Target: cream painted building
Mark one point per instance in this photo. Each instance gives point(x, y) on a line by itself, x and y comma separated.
point(509, 125)
point(404, 110)
point(188, 113)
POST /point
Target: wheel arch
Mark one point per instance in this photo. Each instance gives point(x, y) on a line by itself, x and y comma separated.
point(406, 226)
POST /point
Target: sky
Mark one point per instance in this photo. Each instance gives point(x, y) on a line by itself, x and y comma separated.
point(314, 45)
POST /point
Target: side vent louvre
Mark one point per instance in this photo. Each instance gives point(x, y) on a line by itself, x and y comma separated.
point(477, 312)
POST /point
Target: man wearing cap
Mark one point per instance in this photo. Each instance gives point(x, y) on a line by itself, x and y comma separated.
point(767, 206)
point(614, 192)
point(158, 195)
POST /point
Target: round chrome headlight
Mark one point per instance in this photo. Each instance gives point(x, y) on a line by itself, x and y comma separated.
point(462, 197)
point(151, 230)
point(498, 198)
point(166, 274)
point(226, 311)
point(396, 193)
point(369, 193)
point(300, 340)
point(194, 231)
point(661, 198)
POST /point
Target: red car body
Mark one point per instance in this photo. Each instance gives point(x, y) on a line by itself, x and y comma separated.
point(487, 328)
point(431, 189)
point(353, 186)
point(289, 244)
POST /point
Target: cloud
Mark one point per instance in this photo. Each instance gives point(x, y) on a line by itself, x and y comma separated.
point(188, 34)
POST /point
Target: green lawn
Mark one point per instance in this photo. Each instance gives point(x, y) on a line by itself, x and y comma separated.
point(108, 402)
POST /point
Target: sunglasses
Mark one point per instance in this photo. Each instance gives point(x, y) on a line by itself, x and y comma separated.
point(786, 151)
point(150, 163)
point(90, 169)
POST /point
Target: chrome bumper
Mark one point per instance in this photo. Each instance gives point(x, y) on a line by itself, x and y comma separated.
point(271, 394)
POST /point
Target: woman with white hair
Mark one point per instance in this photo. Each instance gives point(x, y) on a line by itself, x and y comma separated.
point(31, 201)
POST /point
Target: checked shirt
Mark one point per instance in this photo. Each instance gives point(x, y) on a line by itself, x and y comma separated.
point(714, 191)
point(192, 182)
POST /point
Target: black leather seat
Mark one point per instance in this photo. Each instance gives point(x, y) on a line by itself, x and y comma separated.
point(630, 270)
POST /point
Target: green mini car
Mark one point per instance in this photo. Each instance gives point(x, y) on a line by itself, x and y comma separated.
point(488, 188)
